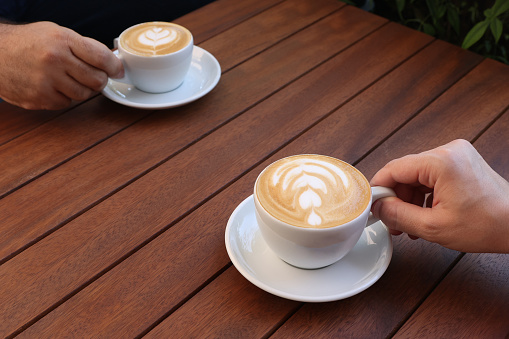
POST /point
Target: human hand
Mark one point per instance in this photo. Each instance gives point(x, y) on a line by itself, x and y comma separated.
point(46, 66)
point(468, 200)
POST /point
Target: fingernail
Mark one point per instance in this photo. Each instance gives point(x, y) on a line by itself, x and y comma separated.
point(119, 75)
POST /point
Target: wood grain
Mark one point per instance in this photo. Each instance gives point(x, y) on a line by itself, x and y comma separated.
point(55, 142)
point(412, 281)
point(496, 135)
point(204, 23)
point(125, 237)
point(220, 15)
point(472, 302)
point(387, 105)
point(263, 31)
point(17, 121)
point(324, 139)
point(420, 278)
point(284, 111)
point(69, 189)
point(378, 100)
point(464, 111)
point(38, 151)
point(99, 226)
point(146, 207)
point(478, 282)
point(240, 310)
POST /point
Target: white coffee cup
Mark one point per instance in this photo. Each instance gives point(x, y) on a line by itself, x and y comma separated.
point(155, 73)
point(310, 247)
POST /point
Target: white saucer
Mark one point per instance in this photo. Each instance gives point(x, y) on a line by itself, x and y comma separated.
point(202, 77)
point(357, 271)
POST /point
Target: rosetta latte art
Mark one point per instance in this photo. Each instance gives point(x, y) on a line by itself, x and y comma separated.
point(313, 191)
point(156, 38)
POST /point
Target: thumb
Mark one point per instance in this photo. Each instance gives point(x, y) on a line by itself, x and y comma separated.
point(401, 216)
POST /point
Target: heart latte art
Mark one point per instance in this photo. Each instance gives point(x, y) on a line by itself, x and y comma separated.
point(155, 38)
point(313, 191)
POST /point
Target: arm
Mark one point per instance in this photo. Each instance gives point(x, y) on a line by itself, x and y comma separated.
point(45, 66)
point(468, 206)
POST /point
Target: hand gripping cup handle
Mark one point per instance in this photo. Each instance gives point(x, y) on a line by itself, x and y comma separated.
point(125, 79)
point(378, 192)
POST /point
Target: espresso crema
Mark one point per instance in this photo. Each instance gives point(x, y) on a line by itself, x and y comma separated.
point(155, 38)
point(313, 191)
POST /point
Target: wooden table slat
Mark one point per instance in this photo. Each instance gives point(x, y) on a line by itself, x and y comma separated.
point(477, 283)
point(464, 111)
point(410, 283)
point(204, 23)
point(221, 15)
point(113, 162)
point(264, 30)
point(17, 121)
point(363, 311)
point(153, 206)
point(64, 137)
point(255, 315)
point(496, 134)
point(55, 142)
point(113, 222)
point(359, 311)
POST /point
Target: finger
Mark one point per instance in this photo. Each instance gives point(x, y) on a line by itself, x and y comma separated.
point(410, 193)
point(414, 169)
point(394, 232)
point(87, 75)
point(401, 216)
point(72, 89)
point(97, 55)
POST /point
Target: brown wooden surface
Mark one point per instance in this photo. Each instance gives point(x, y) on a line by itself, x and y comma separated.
point(112, 219)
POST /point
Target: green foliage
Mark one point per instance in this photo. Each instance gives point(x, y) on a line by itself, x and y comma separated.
point(481, 26)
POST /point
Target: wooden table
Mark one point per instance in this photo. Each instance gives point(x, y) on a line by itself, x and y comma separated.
point(112, 219)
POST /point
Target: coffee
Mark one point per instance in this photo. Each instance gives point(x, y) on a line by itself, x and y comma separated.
point(313, 191)
point(155, 38)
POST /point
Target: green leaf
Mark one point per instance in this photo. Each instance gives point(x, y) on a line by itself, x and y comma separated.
point(454, 19)
point(433, 9)
point(503, 51)
point(500, 6)
point(487, 46)
point(441, 10)
point(475, 34)
point(400, 5)
point(496, 27)
point(473, 13)
point(429, 29)
point(488, 13)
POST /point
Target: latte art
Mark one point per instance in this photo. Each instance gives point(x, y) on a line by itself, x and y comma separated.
point(155, 38)
point(313, 191)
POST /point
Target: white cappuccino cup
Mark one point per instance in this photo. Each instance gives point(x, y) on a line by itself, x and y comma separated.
point(156, 55)
point(312, 209)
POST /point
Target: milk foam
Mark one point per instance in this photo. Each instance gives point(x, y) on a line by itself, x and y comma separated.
point(313, 191)
point(155, 38)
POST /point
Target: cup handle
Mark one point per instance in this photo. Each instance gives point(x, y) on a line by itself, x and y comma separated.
point(379, 192)
point(125, 79)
